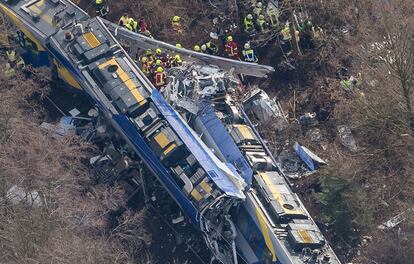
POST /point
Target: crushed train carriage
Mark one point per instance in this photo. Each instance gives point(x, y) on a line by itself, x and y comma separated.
point(235, 195)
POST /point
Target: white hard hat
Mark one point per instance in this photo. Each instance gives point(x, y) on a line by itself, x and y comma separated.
point(249, 16)
point(247, 45)
point(259, 4)
point(213, 35)
point(203, 47)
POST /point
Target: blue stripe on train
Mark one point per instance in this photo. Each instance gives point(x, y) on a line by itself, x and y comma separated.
point(155, 165)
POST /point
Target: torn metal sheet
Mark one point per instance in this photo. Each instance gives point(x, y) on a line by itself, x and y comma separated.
point(396, 220)
point(64, 127)
point(259, 104)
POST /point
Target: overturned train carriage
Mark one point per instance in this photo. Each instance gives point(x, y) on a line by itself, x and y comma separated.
point(88, 57)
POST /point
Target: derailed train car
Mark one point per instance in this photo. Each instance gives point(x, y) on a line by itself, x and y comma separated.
point(266, 222)
point(272, 224)
point(88, 57)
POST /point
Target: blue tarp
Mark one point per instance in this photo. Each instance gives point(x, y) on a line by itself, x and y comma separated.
point(203, 155)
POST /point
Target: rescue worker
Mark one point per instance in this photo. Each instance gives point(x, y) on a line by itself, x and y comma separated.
point(158, 63)
point(248, 54)
point(248, 24)
point(14, 60)
point(176, 24)
point(210, 48)
point(317, 33)
point(257, 10)
point(9, 71)
point(165, 58)
point(231, 48)
point(306, 41)
point(159, 78)
point(158, 53)
point(176, 62)
point(11, 56)
point(142, 25)
point(350, 83)
point(273, 14)
point(197, 48)
point(20, 63)
point(124, 20)
point(287, 38)
point(101, 8)
point(134, 25)
point(262, 24)
point(145, 67)
point(149, 55)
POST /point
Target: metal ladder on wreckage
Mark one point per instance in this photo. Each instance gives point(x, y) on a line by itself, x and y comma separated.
point(136, 41)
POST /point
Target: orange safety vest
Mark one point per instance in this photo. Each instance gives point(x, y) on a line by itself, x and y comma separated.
point(159, 79)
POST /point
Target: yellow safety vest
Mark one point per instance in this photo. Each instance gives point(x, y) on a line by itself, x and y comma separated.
point(248, 25)
point(9, 71)
point(286, 34)
point(11, 55)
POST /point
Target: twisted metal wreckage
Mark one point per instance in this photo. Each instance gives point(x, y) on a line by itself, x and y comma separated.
point(194, 136)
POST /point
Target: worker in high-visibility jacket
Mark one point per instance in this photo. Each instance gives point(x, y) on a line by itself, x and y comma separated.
point(262, 24)
point(9, 71)
point(210, 48)
point(145, 67)
point(101, 8)
point(11, 55)
point(248, 24)
point(273, 14)
point(15, 61)
point(248, 54)
point(286, 40)
point(123, 20)
point(176, 24)
point(257, 10)
point(143, 27)
point(150, 57)
point(134, 25)
point(176, 62)
point(231, 48)
point(126, 21)
point(158, 53)
point(156, 65)
point(159, 78)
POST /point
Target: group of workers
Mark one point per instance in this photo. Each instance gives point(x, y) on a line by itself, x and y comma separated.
point(154, 65)
point(261, 19)
point(138, 26)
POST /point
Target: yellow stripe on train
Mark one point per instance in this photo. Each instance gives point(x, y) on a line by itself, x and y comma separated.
point(265, 232)
point(21, 26)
